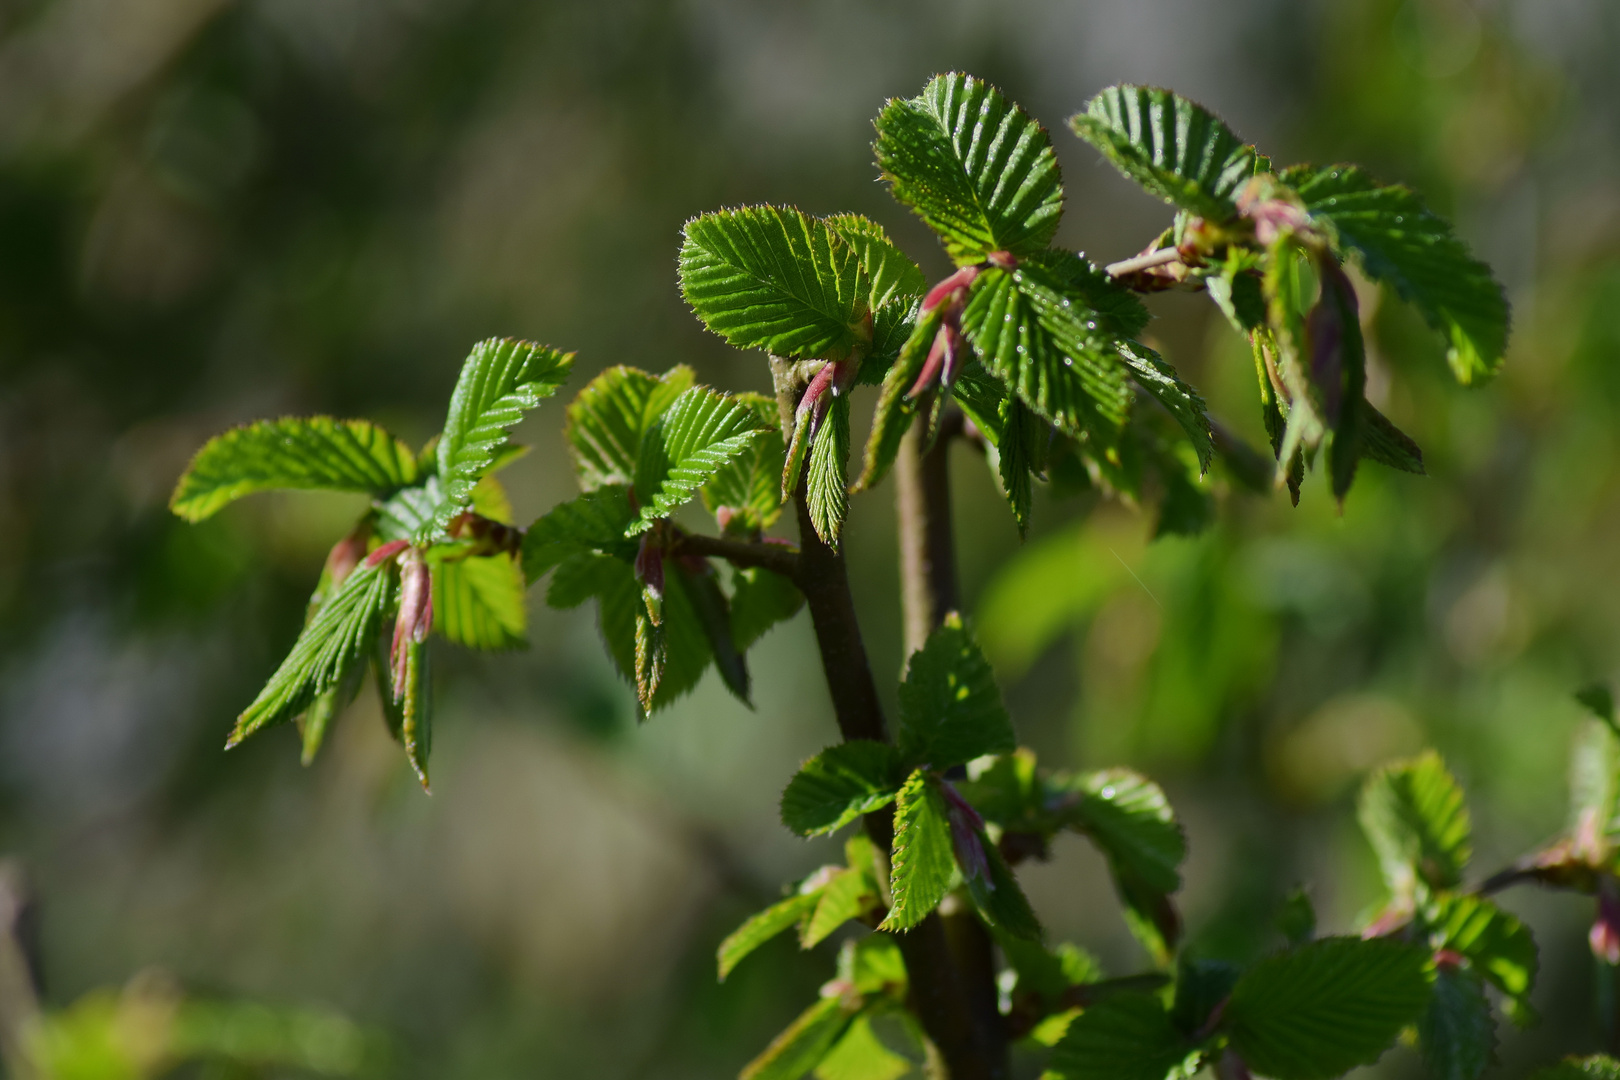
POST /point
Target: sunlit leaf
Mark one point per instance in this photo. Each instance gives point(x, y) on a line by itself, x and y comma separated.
point(950, 707)
point(840, 784)
point(922, 864)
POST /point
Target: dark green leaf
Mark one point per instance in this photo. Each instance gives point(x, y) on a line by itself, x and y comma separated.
point(592, 523)
point(1457, 1034)
point(1497, 945)
point(921, 863)
point(1044, 972)
point(1121, 1037)
point(713, 613)
point(338, 637)
point(759, 600)
point(610, 417)
point(763, 926)
point(1179, 399)
point(950, 706)
point(313, 453)
point(826, 488)
point(1383, 442)
point(1296, 920)
point(1000, 899)
point(700, 434)
point(1318, 1011)
point(840, 784)
point(501, 380)
point(1018, 451)
point(408, 707)
point(1128, 817)
point(803, 1045)
point(1596, 1067)
point(1401, 242)
point(1175, 148)
point(1414, 815)
point(1599, 701)
point(773, 278)
point(1202, 987)
point(979, 171)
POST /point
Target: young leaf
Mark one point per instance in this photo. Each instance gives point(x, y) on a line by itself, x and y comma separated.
point(479, 602)
point(501, 380)
point(860, 1055)
point(302, 454)
point(1179, 399)
point(714, 616)
point(1020, 440)
point(1497, 945)
point(972, 165)
point(1122, 1037)
point(896, 411)
point(1383, 442)
point(874, 965)
point(1042, 349)
point(592, 523)
point(408, 707)
point(840, 784)
point(1175, 148)
point(610, 417)
point(700, 434)
point(896, 283)
point(759, 600)
point(921, 864)
point(826, 488)
point(774, 278)
point(950, 706)
point(1595, 1067)
point(1000, 899)
point(317, 719)
point(748, 490)
point(803, 1045)
point(1402, 242)
point(1457, 1034)
point(338, 636)
point(1129, 818)
point(848, 894)
point(1413, 813)
point(1318, 1011)
point(761, 927)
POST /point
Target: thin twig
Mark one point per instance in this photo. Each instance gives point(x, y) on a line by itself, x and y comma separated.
point(777, 558)
point(1161, 257)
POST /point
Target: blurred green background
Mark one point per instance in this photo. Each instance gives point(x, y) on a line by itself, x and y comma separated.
point(212, 211)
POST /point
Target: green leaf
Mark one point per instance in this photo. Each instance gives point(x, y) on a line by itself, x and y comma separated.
point(972, 165)
point(1383, 442)
point(1595, 1067)
point(895, 411)
point(590, 524)
point(1457, 1034)
point(874, 965)
point(1179, 399)
point(1018, 449)
point(1044, 972)
point(840, 784)
point(921, 863)
point(950, 706)
point(860, 1055)
point(700, 434)
point(408, 708)
point(1401, 242)
point(1122, 1037)
point(1318, 1011)
point(714, 616)
point(1202, 987)
point(774, 278)
point(826, 487)
point(848, 894)
point(1598, 699)
point(317, 453)
point(1497, 945)
point(317, 719)
point(501, 380)
point(337, 638)
point(479, 602)
point(1008, 791)
point(749, 488)
point(1128, 817)
point(759, 600)
point(1414, 816)
point(1175, 148)
point(609, 418)
point(803, 1045)
point(763, 926)
point(1000, 899)
point(1043, 350)
point(896, 283)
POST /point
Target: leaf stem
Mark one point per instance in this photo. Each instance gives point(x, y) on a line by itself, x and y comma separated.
point(1161, 257)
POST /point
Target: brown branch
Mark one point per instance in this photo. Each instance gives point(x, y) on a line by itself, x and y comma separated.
point(777, 558)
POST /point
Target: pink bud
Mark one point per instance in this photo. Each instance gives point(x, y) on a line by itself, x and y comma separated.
point(967, 832)
point(386, 552)
point(946, 286)
point(931, 366)
point(415, 617)
point(650, 572)
point(723, 516)
point(1002, 260)
point(953, 353)
point(1605, 935)
point(346, 555)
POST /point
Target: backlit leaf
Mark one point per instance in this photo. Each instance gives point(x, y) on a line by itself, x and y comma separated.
point(1414, 815)
point(950, 707)
point(700, 434)
point(921, 863)
point(763, 926)
point(609, 418)
point(840, 784)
